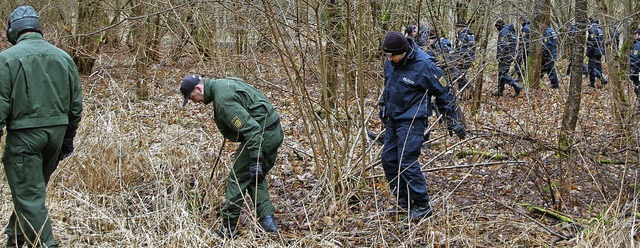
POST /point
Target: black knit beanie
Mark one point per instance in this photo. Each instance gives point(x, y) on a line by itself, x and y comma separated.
point(395, 43)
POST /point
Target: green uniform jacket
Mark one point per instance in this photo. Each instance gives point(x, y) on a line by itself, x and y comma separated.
point(241, 111)
point(39, 86)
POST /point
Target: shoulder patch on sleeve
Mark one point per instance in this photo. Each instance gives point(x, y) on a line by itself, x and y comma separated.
point(442, 81)
point(236, 122)
point(635, 52)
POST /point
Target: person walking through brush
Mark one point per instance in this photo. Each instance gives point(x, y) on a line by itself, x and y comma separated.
point(595, 51)
point(505, 54)
point(464, 52)
point(411, 79)
point(242, 114)
point(41, 107)
point(550, 55)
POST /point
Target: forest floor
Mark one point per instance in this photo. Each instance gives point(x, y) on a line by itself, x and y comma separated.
point(142, 175)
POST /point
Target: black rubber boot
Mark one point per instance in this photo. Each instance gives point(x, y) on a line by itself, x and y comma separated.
point(268, 223)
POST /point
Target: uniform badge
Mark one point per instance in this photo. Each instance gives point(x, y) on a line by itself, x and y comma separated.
point(545, 39)
point(442, 81)
point(635, 52)
point(236, 122)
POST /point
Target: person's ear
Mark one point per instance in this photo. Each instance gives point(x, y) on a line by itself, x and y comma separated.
point(199, 87)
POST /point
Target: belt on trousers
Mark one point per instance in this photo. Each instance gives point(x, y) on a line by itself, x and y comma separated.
point(273, 125)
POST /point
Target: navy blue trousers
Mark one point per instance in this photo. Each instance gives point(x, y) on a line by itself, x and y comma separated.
point(595, 69)
point(400, 153)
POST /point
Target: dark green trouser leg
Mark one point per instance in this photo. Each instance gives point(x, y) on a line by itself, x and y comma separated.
point(239, 181)
point(30, 157)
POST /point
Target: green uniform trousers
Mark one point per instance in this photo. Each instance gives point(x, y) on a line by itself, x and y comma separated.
point(30, 157)
point(239, 181)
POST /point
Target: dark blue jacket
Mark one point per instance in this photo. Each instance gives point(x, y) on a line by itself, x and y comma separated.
point(442, 52)
point(466, 44)
point(595, 41)
point(423, 36)
point(523, 43)
point(550, 44)
point(506, 44)
point(634, 59)
point(408, 89)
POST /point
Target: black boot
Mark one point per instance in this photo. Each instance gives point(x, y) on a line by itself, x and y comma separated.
point(15, 241)
point(229, 230)
point(421, 212)
point(517, 87)
point(268, 223)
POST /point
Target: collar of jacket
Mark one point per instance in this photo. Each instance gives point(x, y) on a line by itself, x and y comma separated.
point(30, 36)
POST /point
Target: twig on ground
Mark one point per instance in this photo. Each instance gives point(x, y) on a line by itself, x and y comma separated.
point(562, 237)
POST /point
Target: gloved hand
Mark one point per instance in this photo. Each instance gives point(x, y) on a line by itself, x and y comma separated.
point(458, 129)
point(255, 170)
point(66, 149)
point(382, 115)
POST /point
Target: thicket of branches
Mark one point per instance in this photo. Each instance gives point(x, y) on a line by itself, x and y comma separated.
point(140, 175)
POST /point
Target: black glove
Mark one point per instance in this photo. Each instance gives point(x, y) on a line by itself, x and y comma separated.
point(458, 129)
point(255, 170)
point(382, 115)
point(66, 149)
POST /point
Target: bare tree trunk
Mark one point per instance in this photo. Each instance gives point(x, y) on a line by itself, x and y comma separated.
point(330, 85)
point(534, 60)
point(614, 64)
point(146, 37)
point(483, 29)
point(240, 32)
point(90, 16)
point(572, 106)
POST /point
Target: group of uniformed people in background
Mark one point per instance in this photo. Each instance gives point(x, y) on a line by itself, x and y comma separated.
point(512, 52)
point(41, 106)
point(417, 82)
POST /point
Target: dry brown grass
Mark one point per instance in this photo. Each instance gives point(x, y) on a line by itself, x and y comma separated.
point(140, 176)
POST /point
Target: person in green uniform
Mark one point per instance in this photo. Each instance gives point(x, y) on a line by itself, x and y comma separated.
point(242, 114)
point(40, 106)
